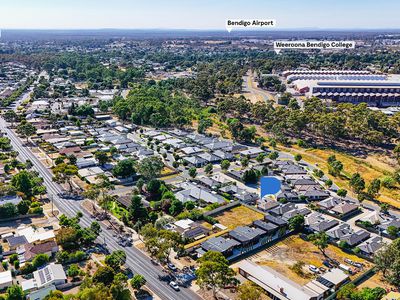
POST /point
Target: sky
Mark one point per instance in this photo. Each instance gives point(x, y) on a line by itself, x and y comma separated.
point(200, 14)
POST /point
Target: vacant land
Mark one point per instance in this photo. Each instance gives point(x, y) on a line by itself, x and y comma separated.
point(238, 216)
point(375, 281)
point(282, 256)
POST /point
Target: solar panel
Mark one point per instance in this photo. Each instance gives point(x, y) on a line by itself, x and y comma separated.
point(42, 278)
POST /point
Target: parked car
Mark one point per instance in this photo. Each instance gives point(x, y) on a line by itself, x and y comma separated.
point(172, 267)
point(313, 269)
point(322, 269)
point(349, 261)
point(327, 264)
point(174, 285)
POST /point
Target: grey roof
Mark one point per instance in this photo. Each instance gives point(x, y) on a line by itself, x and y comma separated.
point(303, 212)
point(268, 227)
point(274, 220)
point(194, 193)
point(344, 208)
point(209, 157)
point(339, 231)
point(219, 244)
point(385, 224)
point(245, 234)
point(355, 238)
point(282, 208)
point(287, 196)
point(195, 160)
point(246, 197)
point(215, 145)
point(223, 155)
point(17, 240)
point(293, 170)
point(317, 222)
point(305, 181)
point(231, 189)
point(371, 245)
point(329, 203)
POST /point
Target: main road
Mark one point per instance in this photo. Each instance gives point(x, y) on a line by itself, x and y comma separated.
point(136, 260)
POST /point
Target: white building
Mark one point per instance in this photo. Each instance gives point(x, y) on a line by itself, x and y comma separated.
point(51, 275)
point(5, 280)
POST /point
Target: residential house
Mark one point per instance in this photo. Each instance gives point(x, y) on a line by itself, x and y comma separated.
point(5, 280)
point(247, 235)
point(371, 246)
point(317, 222)
point(220, 244)
point(51, 276)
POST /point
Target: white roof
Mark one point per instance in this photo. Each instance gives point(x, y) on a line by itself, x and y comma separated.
point(5, 277)
point(184, 224)
point(49, 274)
point(335, 275)
point(39, 234)
point(28, 284)
point(276, 283)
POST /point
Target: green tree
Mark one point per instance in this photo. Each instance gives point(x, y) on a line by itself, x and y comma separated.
point(298, 157)
point(273, 155)
point(341, 193)
point(296, 223)
point(26, 129)
point(15, 292)
point(116, 259)
point(176, 207)
point(124, 168)
point(10, 116)
point(374, 187)
point(214, 272)
point(393, 230)
point(138, 281)
point(260, 157)
point(104, 274)
point(63, 173)
point(73, 270)
point(150, 167)
point(40, 260)
point(193, 172)
point(335, 167)
point(249, 291)
point(101, 157)
point(137, 212)
point(250, 176)
point(320, 240)
point(208, 168)
point(225, 164)
point(203, 124)
point(244, 161)
point(23, 207)
point(357, 183)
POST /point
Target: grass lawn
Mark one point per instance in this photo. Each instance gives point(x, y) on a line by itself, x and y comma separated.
point(286, 253)
point(238, 216)
point(117, 210)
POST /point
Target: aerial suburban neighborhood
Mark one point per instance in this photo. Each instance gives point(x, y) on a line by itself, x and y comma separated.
point(198, 164)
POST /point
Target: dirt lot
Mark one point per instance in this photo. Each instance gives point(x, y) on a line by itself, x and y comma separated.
point(238, 216)
point(375, 281)
point(286, 253)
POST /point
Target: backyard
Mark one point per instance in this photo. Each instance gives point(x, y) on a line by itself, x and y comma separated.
point(238, 216)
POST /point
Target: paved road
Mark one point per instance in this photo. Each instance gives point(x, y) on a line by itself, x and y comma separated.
point(249, 85)
point(136, 260)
